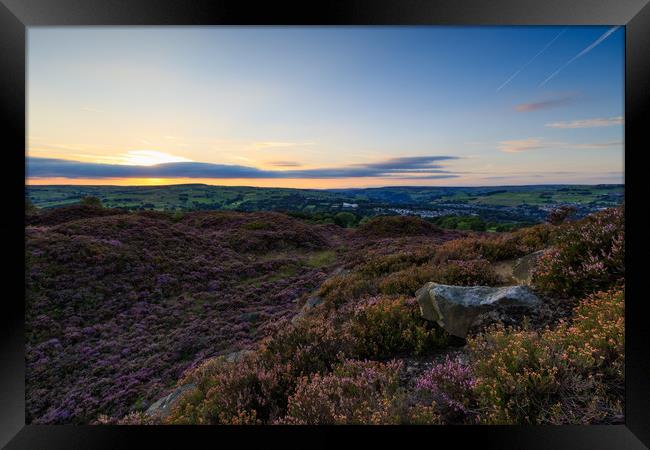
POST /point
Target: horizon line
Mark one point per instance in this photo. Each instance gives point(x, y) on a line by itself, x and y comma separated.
point(317, 189)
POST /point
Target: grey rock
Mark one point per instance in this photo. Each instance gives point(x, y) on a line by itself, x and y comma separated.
point(518, 270)
point(237, 356)
point(311, 303)
point(458, 308)
point(163, 407)
point(522, 269)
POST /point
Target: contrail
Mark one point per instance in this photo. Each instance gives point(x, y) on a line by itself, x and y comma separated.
point(582, 53)
point(531, 60)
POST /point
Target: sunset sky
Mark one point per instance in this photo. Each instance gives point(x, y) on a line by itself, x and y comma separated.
point(325, 107)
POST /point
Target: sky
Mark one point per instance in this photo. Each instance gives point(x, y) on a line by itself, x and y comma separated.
point(325, 107)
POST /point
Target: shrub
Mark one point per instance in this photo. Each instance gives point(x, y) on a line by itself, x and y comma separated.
point(408, 281)
point(449, 388)
point(383, 327)
point(232, 393)
point(133, 418)
point(571, 374)
point(474, 272)
point(496, 248)
point(91, 201)
point(588, 256)
point(395, 226)
point(341, 289)
point(310, 345)
point(355, 392)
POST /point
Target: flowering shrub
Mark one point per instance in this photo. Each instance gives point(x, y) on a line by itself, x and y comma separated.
point(588, 256)
point(355, 392)
point(341, 289)
point(473, 272)
point(245, 392)
point(407, 281)
point(385, 327)
point(571, 374)
point(133, 418)
point(118, 306)
point(394, 226)
point(449, 388)
point(496, 247)
point(308, 346)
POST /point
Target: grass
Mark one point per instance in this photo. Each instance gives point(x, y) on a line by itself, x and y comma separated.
point(321, 259)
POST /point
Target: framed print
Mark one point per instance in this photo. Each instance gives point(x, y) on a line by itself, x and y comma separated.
point(269, 221)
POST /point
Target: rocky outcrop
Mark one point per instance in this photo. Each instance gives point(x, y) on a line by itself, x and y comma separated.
point(518, 270)
point(457, 309)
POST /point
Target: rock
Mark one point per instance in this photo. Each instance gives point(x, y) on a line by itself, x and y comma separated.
point(237, 356)
point(162, 407)
point(310, 304)
point(518, 270)
point(458, 308)
point(522, 269)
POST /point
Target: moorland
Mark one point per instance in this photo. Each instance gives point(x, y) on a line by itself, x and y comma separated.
point(144, 307)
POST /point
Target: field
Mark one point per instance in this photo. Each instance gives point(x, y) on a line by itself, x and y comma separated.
point(504, 205)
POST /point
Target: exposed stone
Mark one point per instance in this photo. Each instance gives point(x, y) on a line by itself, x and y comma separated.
point(310, 304)
point(162, 407)
point(518, 270)
point(458, 308)
point(237, 356)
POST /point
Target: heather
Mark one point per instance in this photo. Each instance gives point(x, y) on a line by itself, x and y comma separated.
point(118, 306)
point(383, 327)
point(571, 374)
point(355, 392)
point(588, 255)
point(123, 307)
point(395, 226)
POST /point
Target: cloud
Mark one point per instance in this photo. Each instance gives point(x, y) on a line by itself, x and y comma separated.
point(587, 123)
point(544, 104)
point(419, 167)
point(285, 164)
point(273, 144)
point(586, 50)
point(93, 110)
point(524, 145)
point(596, 145)
point(521, 145)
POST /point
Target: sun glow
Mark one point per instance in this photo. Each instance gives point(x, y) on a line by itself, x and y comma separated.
point(149, 158)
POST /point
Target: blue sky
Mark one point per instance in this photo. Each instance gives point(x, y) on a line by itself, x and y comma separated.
point(326, 106)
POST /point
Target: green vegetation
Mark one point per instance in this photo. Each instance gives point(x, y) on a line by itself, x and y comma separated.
point(494, 209)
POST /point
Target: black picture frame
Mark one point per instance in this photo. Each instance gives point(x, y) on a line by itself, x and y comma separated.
point(16, 15)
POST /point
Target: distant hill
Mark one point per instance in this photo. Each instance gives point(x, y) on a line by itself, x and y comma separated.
point(499, 204)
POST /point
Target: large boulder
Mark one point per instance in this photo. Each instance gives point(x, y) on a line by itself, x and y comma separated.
point(459, 308)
